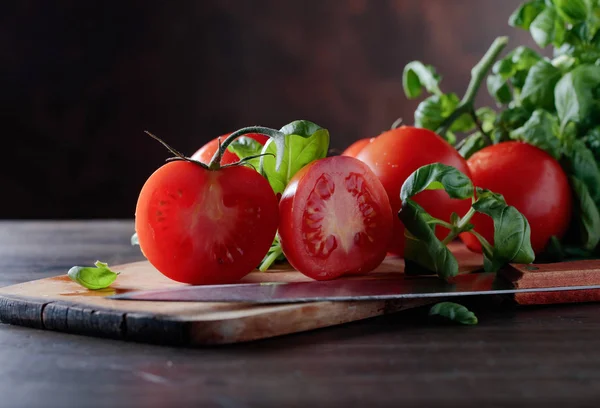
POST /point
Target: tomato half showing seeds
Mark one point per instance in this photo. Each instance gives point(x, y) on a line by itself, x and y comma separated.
point(335, 219)
point(206, 152)
point(200, 226)
point(354, 149)
point(395, 155)
point(531, 181)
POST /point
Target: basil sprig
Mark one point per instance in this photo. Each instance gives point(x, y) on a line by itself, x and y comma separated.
point(453, 312)
point(426, 254)
point(98, 277)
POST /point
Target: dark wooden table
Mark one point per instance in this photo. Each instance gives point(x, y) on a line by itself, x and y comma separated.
point(542, 356)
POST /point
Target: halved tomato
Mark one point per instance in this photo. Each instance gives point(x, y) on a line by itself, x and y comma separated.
point(203, 226)
point(206, 152)
point(335, 219)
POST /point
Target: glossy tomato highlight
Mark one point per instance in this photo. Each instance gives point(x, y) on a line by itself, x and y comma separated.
point(395, 155)
point(335, 219)
point(206, 152)
point(531, 181)
point(203, 226)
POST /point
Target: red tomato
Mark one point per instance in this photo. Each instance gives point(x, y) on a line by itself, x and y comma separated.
point(531, 181)
point(354, 149)
point(205, 227)
point(206, 152)
point(335, 219)
point(395, 155)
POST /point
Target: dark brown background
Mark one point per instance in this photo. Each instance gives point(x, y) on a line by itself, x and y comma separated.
point(81, 80)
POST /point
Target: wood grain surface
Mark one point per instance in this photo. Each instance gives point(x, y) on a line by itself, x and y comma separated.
point(534, 356)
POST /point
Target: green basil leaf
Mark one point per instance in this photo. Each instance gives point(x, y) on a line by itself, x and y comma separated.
point(134, 239)
point(586, 216)
point(454, 312)
point(572, 10)
point(471, 145)
point(564, 63)
point(512, 234)
point(541, 130)
point(417, 75)
point(245, 146)
point(575, 95)
point(520, 59)
point(99, 277)
point(580, 163)
point(507, 121)
point(487, 117)
point(433, 110)
point(437, 176)
point(422, 248)
point(498, 88)
point(304, 142)
point(526, 13)
point(548, 28)
point(538, 90)
point(592, 141)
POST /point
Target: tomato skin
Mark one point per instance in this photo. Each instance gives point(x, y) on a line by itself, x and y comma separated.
point(205, 227)
point(531, 181)
point(395, 155)
point(335, 219)
point(355, 148)
point(206, 152)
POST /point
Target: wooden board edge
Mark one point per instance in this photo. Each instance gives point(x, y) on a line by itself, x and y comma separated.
point(169, 330)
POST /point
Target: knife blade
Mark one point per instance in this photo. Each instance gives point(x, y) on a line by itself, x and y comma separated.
point(402, 287)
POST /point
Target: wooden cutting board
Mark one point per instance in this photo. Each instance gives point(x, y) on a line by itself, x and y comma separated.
point(59, 304)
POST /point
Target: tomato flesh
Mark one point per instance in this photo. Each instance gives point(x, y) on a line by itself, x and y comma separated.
point(206, 152)
point(395, 155)
point(531, 181)
point(335, 219)
point(205, 227)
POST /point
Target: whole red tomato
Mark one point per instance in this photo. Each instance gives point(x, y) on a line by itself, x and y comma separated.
point(395, 155)
point(203, 226)
point(531, 181)
point(206, 152)
point(355, 148)
point(335, 219)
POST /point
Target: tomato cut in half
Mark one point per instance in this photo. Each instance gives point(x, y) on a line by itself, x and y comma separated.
point(206, 152)
point(335, 219)
point(202, 226)
point(354, 149)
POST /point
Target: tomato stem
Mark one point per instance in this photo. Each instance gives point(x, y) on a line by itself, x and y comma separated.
point(178, 154)
point(215, 162)
point(478, 73)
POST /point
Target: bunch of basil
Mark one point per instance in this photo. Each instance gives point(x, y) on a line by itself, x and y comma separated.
point(550, 102)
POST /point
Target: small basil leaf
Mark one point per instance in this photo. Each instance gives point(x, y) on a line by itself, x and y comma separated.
point(454, 312)
point(526, 13)
point(303, 143)
point(572, 10)
point(564, 63)
point(422, 246)
point(541, 130)
point(548, 28)
point(486, 117)
point(538, 90)
point(507, 121)
point(416, 75)
point(134, 239)
point(472, 144)
point(520, 59)
point(512, 234)
point(437, 176)
point(575, 95)
point(580, 163)
point(592, 141)
point(498, 88)
point(586, 216)
point(245, 146)
point(433, 110)
point(94, 278)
